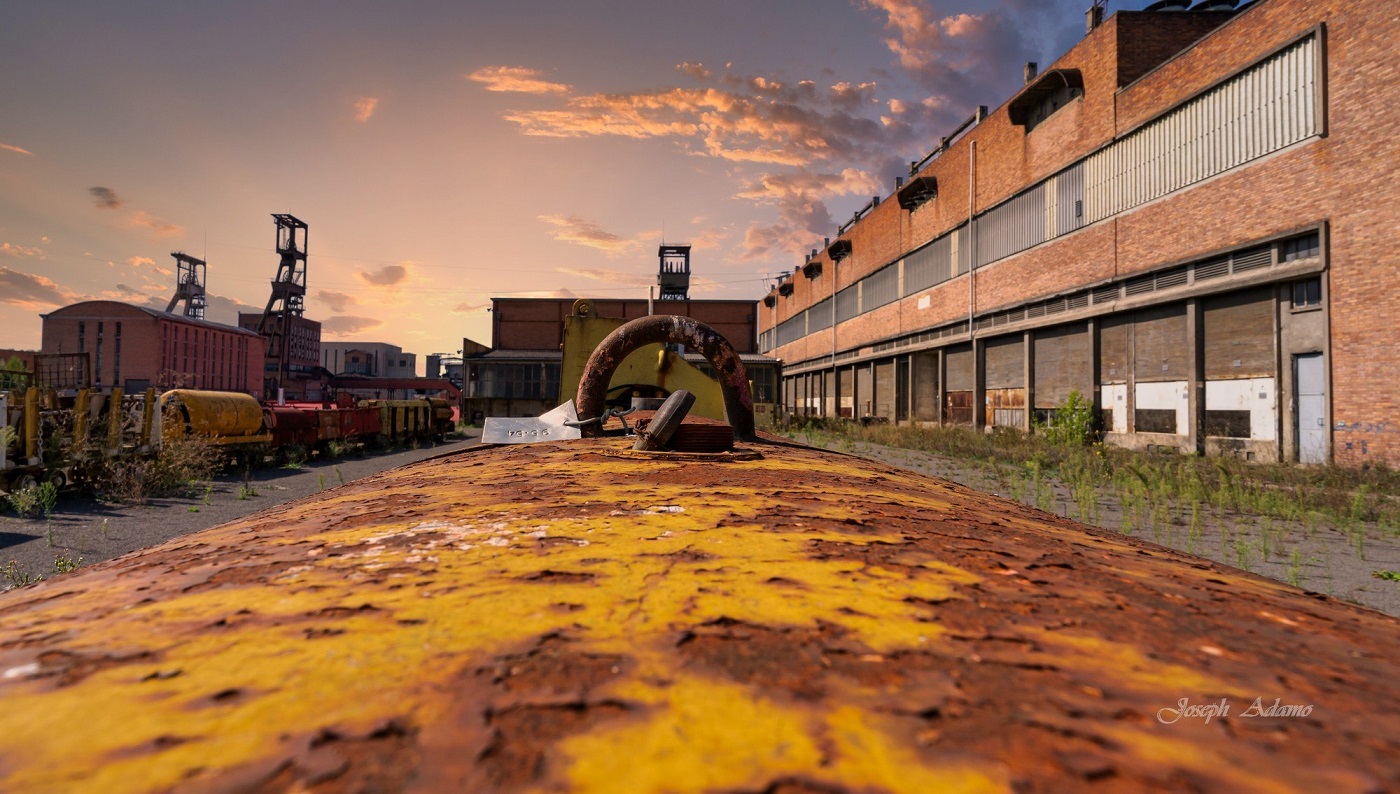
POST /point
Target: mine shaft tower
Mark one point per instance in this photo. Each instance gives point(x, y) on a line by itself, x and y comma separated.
point(287, 300)
point(189, 285)
point(674, 275)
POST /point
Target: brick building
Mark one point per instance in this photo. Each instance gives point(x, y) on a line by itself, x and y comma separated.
point(1190, 217)
point(302, 356)
point(137, 348)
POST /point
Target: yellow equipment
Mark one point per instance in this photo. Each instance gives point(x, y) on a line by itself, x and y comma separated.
point(651, 365)
point(222, 417)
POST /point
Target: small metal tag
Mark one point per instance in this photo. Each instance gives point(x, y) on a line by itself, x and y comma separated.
point(547, 427)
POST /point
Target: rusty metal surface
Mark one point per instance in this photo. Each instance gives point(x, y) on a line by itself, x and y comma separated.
point(695, 335)
point(570, 617)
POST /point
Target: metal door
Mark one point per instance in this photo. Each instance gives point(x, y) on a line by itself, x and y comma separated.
point(1310, 381)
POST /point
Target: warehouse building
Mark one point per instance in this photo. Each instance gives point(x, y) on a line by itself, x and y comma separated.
point(376, 359)
point(137, 348)
point(1190, 218)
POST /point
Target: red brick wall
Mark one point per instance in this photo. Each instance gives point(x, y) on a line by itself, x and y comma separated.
point(538, 323)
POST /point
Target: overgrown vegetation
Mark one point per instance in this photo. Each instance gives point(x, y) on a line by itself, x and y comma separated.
point(1269, 517)
point(182, 465)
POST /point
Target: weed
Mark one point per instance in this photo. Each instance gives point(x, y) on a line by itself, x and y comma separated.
point(1242, 555)
point(192, 509)
point(320, 481)
point(105, 536)
point(1389, 576)
point(48, 535)
point(246, 491)
point(47, 495)
point(208, 492)
point(340, 475)
point(24, 501)
point(65, 564)
point(1295, 568)
point(179, 463)
point(16, 576)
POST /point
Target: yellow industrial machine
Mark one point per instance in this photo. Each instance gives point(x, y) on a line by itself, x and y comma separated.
point(222, 417)
point(651, 368)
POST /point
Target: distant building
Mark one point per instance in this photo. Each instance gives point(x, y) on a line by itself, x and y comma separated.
point(375, 359)
point(303, 356)
point(138, 348)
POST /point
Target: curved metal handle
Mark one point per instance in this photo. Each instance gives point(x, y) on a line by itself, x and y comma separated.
point(661, 329)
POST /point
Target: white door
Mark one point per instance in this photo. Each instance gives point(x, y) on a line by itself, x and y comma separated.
point(1311, 384)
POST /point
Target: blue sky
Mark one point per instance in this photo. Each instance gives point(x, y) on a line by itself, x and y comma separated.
point(444, 153)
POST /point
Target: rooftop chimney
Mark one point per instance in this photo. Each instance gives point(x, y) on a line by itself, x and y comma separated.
point(1032, 69)
point(1094, 18)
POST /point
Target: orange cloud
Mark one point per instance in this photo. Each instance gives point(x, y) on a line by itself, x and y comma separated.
point(33, 291)
point(387, 276)
point(337, 302)
point(162, 228)
point(516, 79)
point(365, 107)
point(7, 147)
point(21, 251)
point(345, 325)
point(573, 229)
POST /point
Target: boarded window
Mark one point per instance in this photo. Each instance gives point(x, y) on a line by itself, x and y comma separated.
point(1005, 363)
point(960, 410)
point(959, 364)
point(1113, 350)
point(1227, 424)
point(925, 387)
point(1155, 420)
point(1239, 334)
point(865, 391)
point(1160, 351)
point(884, 390)
point(1062, 364)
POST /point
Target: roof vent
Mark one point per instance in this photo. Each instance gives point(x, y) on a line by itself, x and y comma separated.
point(1031, 70)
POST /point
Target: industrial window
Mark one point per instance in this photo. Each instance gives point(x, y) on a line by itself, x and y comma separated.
point(1307, 294)
point(1154, 420)
point(82, 337)
point(1227, 424)
point(1305, 247)
point(97, 369)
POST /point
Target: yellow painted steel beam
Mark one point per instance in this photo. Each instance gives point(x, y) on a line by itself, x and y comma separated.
point(31, 423)
point(572, 617)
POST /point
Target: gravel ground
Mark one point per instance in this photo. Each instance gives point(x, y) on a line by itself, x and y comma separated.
point(84, 529)
point(1319, 558)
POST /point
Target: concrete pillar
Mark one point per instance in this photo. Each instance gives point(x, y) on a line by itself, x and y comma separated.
point(1095, 375)
point(941, 392)
point(1195, 377)
point(979, 384)
point(1028, 378)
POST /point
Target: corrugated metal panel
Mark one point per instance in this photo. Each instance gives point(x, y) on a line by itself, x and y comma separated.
point(1069, 199)
point(880, 288)
point(1260, 111)
point(819, 316)
point(930, 265)
point(847, 303)
point(1252, 259)
point(1012, 226)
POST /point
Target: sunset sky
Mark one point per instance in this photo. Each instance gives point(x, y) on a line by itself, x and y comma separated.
point(444, 153)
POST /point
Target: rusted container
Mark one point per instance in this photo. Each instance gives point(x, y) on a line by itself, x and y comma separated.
point(578, 617)
point(222, 417)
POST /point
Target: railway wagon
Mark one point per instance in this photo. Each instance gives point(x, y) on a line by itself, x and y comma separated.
point(403, 419)
point(579, 616)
